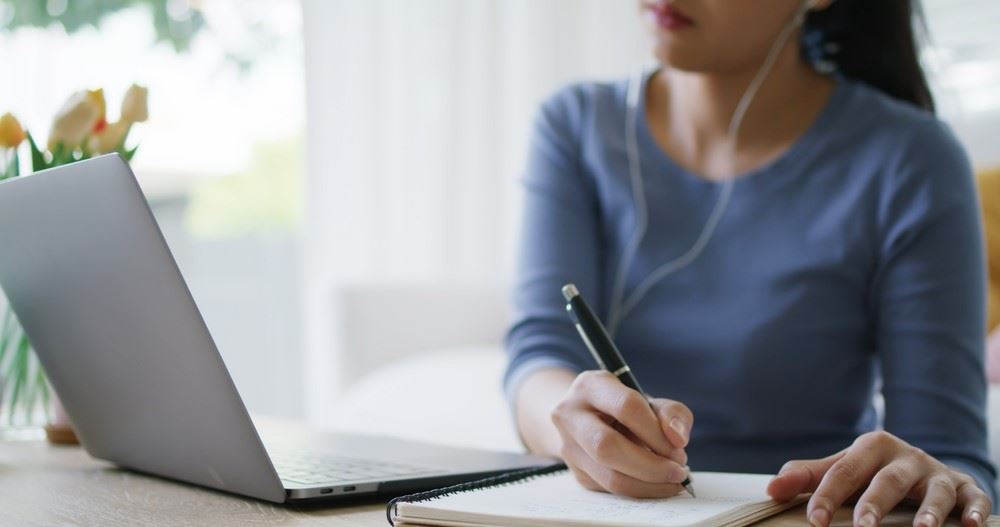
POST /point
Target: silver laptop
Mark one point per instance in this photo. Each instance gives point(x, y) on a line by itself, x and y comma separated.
point(88, 273)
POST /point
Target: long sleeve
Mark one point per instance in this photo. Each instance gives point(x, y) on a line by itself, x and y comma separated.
point(560, 243)
point(929, 300)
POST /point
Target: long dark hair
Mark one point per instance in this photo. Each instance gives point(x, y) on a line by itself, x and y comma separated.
point(874, 42)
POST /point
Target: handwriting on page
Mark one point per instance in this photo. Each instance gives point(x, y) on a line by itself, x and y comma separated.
point(600, 506)
point(559, 498)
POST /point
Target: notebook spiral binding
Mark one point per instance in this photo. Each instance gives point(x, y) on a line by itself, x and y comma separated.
point(492, 481)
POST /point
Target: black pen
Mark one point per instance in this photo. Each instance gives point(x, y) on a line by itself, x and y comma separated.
point(603, 348)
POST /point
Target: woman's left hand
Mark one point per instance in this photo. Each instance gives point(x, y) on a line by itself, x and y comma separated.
point(884, 470)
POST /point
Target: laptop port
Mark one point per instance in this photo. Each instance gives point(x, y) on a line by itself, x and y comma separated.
point(325, 491)
point(349, 488)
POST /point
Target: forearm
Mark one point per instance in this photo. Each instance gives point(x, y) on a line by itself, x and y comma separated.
point(536, 397)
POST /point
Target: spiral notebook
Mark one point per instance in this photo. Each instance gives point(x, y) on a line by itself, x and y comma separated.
point(551, 497)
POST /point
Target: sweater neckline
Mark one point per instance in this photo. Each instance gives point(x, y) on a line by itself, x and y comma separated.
point(759, 179)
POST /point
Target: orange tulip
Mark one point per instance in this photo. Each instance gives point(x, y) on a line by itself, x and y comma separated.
point(11, 133)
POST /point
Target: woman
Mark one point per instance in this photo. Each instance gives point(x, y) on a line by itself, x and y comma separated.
point(846, 259)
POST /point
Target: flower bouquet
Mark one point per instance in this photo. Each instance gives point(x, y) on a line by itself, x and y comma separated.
point(79, 131)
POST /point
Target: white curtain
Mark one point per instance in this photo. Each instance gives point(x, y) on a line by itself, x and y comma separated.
point(418, 116)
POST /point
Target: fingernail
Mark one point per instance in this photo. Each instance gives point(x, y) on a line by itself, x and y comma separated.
point(680, 456)
point(867, 520)
point(819, 518)
point(926, 520)
point(677, 474)
point(976, 517)
point(680, 427)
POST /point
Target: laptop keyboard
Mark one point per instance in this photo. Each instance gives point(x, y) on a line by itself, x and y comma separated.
point(316, 469)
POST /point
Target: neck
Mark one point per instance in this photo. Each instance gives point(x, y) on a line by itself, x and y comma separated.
point(698, 108)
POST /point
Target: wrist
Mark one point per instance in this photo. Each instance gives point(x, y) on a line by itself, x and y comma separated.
point(535, 400)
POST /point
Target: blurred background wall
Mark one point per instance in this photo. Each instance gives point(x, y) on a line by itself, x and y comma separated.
point(308, 160)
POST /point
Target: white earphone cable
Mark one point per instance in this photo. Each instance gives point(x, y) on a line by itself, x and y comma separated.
point(638, 196)
point(619, 308)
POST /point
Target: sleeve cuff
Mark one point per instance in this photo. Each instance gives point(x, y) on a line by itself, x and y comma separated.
point(522, 370)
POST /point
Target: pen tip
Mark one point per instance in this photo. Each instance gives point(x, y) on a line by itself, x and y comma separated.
point(569, 291)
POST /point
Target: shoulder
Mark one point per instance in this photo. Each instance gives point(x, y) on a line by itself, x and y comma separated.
point(907, 138)
point(579, 97)
point(921, 173)
point(582, 105)
point(914, 156)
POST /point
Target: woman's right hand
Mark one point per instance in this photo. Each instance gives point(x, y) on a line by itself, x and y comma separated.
point(614, 441)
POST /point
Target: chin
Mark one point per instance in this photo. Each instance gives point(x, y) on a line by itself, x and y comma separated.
point(684, 56)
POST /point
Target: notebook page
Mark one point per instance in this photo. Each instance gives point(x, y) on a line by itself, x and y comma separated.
point(559, 500)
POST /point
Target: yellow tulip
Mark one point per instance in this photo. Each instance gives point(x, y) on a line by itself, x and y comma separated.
point(97, 97)
point(109, 138)
point(134, 106)
point(11, 133)
point(75, 120)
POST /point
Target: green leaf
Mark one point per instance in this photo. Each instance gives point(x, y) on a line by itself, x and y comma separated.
point(8, 330)
point(14, 168)
point(57, 154)
point(129, 154)
point(22, 370)
point(37, 156)
point(35, 380)
point(18, 372)
point(43, 381)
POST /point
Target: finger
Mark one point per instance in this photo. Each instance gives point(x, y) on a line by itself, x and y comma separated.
point(677, 454)
point(890, 486)
point(976, 504)
point(676, 421)
point(610, 480)
point(606, 394)
point(608, 447)
point(800, 476)
point(940, 496)
point(843, 479)
point(583, 478)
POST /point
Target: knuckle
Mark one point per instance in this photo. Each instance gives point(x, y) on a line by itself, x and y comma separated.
point(942, 486)
point(877, 440)
point(629, 402)
point(583, 379)
point(558, 414)
point(591, 377)
point(896, 479)
point(682, 411)
point(845, 470)
point(965, 479)
point(616, 483)
point(603, 446)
